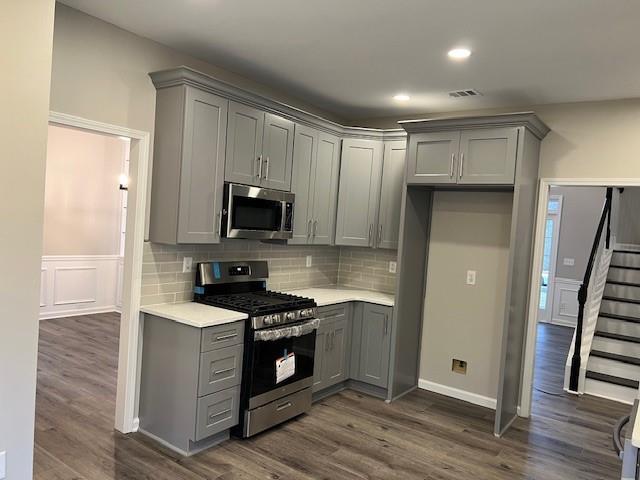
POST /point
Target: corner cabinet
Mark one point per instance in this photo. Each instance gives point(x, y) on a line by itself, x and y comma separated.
point(316, 161)
point(370, 193)
point(482, 156)
point(188, 166)
point(372, 325)
point(333, 342)
point(259, 148)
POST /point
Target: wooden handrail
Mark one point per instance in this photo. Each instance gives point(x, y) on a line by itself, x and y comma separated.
point(574, 376)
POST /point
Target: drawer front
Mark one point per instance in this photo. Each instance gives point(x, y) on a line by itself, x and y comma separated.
point(220, 369)
point(276, 412)
point(217, 412)
point(222, 336)
point(332, 311)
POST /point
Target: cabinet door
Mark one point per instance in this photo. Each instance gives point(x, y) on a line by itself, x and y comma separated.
point(432, 157)
point(202, 170)
point(336, 364)
point(359, 192)
point(277, 152)
point(393, 168)
point(375, 345)
point(325, 190)
point(319, 359)
point(244, 145)
point(305, 145)
point(488, 156)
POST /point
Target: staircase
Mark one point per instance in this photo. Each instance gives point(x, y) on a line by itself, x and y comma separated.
point(613, 369)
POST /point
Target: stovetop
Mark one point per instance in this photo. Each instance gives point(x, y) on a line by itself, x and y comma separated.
point(259, 303)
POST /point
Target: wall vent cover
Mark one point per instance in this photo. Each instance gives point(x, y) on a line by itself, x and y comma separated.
point(468, 92)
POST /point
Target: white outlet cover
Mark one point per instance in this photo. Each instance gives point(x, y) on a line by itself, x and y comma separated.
point(187, 265)
point(393, 266)
point(309, 261)
point(471, 277)
point(3, 465)
point(569, 262)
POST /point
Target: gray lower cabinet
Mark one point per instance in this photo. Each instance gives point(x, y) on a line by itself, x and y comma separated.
point(316, 160)
point(333, 342)
point(373, 351)
point(359, 192)
point(481, 156)
point(393, 171)
point(190, 383)
point(188, 167)
point(259, 148)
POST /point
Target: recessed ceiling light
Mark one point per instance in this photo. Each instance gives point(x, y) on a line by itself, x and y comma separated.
point(459, 53)
point(401, 97)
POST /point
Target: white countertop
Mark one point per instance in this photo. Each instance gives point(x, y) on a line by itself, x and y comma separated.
point(194, 314)
point(333, 295)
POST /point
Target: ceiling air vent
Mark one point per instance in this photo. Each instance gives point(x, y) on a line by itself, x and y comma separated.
point(470, 92)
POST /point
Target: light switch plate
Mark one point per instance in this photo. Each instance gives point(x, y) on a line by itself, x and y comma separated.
point(309, 261)
point(187, 265)
point(3, 465)
point(569, 262)
point(393, 266)
point(471, 277)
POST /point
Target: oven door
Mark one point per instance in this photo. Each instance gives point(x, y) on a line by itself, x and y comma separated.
point(282, 362)
point(257, 213)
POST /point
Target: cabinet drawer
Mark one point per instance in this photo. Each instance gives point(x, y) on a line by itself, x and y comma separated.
point(222, 336)
point(220, 369)
point(261, 418)
point(332, 311)
point(217, 412)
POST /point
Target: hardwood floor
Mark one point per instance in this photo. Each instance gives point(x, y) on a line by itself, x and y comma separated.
point(347, 436)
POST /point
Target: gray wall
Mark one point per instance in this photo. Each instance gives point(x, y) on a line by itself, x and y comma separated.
point(469, 231)
point(26, 29)
point(581, 209)
point(629, 216)
point(82, 203)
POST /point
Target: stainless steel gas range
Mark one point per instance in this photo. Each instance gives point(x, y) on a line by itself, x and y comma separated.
point(279, 341)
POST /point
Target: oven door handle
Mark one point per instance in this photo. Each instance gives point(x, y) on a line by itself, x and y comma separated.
point(272, 334)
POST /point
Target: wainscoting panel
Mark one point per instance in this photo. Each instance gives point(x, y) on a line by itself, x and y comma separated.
point(78, 285)
point(565, 302)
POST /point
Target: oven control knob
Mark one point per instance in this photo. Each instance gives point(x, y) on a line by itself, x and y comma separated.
point(307, 312)
point(268, 319)
point(290, 315)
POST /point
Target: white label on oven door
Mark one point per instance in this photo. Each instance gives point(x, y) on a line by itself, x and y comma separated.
point(285, 367)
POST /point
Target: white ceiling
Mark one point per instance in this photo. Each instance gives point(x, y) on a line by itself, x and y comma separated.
point(351, 56)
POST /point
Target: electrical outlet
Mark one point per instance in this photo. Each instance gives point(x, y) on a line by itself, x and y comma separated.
point(569, 262)
point(459, 366)
point(187, 265)
point(3, 465)
point(393, 267)
point(471, 277)
point(309, 261)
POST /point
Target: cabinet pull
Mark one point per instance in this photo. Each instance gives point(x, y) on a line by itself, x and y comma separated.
point(386, 325)
point(224, 370)
point(224, 412)
point(266, 168)
point(283, 406)
point(453, 161)
point(461, 163)
point(315, 227)
point(259, 160)
point(379, 234)
point(220, 223)
point(226, 337)
point(370, 232)
point(309, 228)
point(333, 336)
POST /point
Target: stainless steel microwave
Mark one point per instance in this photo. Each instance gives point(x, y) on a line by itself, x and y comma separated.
point(257, 213)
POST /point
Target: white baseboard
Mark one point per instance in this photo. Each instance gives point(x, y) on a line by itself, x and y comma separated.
point(76, 312)
point(457, 393)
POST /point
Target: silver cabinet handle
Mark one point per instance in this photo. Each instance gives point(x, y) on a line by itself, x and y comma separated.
point(224, 370)
point(259, 175)
point(370, 232)
point(283, 406)
point(309, 228)
point(266, 168)
point(379, 234)
point(453, 161)
point(226, 337)
point(220, 223)
point(315, 227)
point(333, 336)
point(461, 164)
point(224, 412)
point(386, 324)
point(326, 342)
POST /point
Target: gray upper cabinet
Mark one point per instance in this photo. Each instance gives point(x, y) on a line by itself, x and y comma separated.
point(375, 345)
point(244, 145)
point(488, 156)
point(277, 152)
point(316, 159)
point(482, 156)
point(393, 171)
point(188, 169)
point(359, 192)
point(259, 148)
point(432, 157)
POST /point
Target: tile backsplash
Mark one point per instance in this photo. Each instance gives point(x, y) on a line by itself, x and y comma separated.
point(164, 282)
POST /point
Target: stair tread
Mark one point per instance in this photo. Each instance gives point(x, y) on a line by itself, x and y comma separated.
point(603, 377)
point(617, 336)
point(616, 356)
point(624, 266)
point(621, 299)
point(620, 282)
point(619, 317)
point(622, 250)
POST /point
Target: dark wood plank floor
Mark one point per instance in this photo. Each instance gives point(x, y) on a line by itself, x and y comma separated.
point(347, 436)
